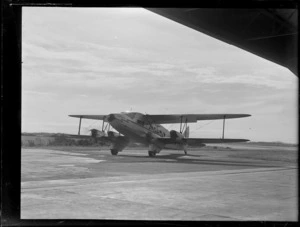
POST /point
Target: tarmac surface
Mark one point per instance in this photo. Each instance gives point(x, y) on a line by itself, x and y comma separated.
point(212, 183)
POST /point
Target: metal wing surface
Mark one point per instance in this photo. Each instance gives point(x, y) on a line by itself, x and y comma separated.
point(182, 118)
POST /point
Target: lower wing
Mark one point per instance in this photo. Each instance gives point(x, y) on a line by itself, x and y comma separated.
point(194, 142)
point(62, 137)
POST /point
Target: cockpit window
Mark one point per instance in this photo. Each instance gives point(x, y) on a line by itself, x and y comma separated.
point(131, 115)
point(140, 122)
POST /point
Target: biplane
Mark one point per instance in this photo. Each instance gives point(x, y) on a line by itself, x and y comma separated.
point(147, 129)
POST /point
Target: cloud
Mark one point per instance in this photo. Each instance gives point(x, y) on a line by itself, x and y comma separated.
point(268, 77)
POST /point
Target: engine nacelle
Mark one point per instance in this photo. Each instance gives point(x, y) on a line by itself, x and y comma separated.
point(96, 133)
point(177, 136)
point(112, 134)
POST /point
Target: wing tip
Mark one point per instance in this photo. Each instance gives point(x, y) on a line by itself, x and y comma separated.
point(75, 116)
point(242, 115)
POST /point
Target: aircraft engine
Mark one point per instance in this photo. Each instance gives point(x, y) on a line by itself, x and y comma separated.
point(97, 133)
point(112, 134)
point(177, 136)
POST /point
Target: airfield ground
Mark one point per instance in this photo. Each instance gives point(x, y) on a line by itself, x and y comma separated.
point(224, 182)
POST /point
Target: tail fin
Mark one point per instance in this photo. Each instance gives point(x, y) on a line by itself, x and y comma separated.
point(186, 132)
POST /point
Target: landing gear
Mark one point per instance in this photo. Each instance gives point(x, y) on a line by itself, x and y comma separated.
point(114, 152)
point(151, 153)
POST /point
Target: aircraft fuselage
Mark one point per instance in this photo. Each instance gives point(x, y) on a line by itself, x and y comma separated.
point(137, 127)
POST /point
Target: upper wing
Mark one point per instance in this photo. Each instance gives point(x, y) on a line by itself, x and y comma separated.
point(95, 117)
point(178, 118)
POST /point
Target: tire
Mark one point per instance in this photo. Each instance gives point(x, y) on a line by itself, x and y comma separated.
point(151, 153)
point(114, 152)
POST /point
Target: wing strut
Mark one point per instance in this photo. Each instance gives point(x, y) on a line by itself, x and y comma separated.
point(107, 126)
point(79, 125)
point(102, 125)
point(223, 126)
point(183, 125)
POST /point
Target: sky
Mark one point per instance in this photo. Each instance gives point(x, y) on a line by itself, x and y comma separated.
point(110, 60)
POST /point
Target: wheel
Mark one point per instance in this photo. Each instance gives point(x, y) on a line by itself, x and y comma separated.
point(114, 151)
point(151, 153)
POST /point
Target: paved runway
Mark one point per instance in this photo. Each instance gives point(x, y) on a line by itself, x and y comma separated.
point(206, 184)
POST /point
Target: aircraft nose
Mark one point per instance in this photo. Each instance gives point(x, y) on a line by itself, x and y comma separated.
point(111, 117)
